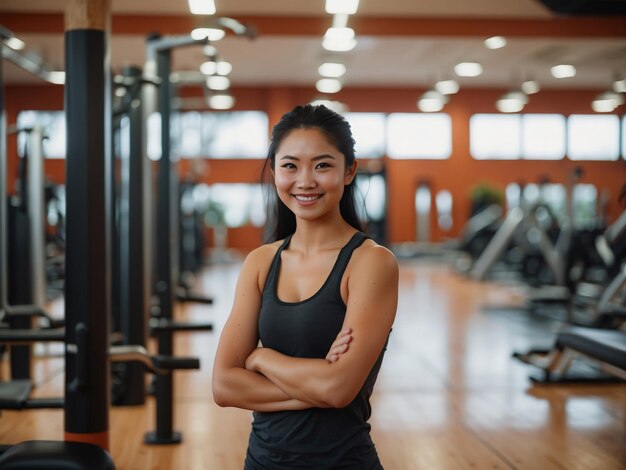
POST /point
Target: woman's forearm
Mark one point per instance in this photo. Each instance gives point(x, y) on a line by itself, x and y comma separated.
point(308, 380)
point(249, 390)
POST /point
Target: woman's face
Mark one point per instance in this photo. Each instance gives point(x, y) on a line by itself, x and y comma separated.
point(310, 174)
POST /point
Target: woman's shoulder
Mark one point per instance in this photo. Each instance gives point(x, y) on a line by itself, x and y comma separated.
point(262, 256)
point(372, 255)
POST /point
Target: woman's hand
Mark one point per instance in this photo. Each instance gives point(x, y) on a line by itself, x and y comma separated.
point(251, 361)
point(339, 346)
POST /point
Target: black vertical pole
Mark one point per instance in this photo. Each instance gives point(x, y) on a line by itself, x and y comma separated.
point(87, 289)
point(134, 292)
point(166, 246)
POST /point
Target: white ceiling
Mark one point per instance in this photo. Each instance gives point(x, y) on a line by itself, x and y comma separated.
point(403, 61)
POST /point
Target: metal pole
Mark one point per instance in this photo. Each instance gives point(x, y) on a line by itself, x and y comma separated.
point(87, 289)
point(134, 292)
point(36, 212)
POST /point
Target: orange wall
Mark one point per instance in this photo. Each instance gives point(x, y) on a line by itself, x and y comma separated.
point(457, 174)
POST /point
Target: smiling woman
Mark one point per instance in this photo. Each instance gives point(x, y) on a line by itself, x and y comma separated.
point(313, 310)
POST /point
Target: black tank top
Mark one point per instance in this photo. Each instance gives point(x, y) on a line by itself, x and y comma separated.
point(316, 438)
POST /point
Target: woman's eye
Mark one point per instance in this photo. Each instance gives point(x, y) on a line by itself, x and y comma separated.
point(323, 165)
point(289, 166)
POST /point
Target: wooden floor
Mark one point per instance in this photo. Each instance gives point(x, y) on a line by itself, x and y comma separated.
point(449, 396)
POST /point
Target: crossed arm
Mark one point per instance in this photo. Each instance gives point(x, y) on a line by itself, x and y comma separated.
point(262, 379)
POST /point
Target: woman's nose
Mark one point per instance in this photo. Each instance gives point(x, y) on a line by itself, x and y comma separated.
point(306, 179)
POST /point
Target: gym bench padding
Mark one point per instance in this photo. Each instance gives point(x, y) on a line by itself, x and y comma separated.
point(57, 455)
point(608, 346)
point(14, 395)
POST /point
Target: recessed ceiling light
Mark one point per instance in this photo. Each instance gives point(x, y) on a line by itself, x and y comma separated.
point(57, 77)
point(468, 69)
point(346, 7)
point(15, 44)
point(221, 101)
point(202, 7)
point(619, 86)
point(447, 87)
point(530, 87)
point(607, 101)
point(563, 71)
point(339, 39)
point(495, 42)
point(331, 70)
point(217, 82)
point(328, 85)
point(432, 101)
point(512, 102)
point(213, 34)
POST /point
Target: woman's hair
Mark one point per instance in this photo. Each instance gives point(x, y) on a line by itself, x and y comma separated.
point(337, 130)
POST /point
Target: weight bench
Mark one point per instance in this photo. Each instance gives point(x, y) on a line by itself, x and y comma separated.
point(35, 455)
point(606, 347)
point(14, 393)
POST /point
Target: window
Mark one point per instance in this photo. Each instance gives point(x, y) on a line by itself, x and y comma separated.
point(416, 135)
point(153, 136)
point(236, 205)
point(495, 136)
point(238, 134)
point(368, 130)
point(372, 195)
point(585, 199)
point(543, 136)
point(624, 137)
point(188, 126)
point(53, 125)
point(593, 137)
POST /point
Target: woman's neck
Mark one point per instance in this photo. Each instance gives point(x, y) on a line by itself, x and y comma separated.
point(312, 237)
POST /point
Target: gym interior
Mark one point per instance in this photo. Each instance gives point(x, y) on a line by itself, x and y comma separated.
point(491, 140)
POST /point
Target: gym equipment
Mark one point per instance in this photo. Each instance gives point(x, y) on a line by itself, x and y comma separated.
point(601, 338)
point(159, 51)
point(57, 455)
point(86, 410)
point(372, 186)
point(131, 262)
point(23, 226)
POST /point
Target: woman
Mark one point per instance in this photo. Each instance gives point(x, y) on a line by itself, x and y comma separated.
point(321, 300)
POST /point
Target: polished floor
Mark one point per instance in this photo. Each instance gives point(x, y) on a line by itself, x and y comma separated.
point(449, 396)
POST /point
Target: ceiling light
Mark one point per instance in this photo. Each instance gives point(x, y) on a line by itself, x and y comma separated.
point(221, 101)
point(223, 67)
point(217, 82)
point(619, 86)
point(468, 69)
point(530, 87)
point(447, 87)
point(607, 101)
point(209, 67)
point(15, 43)
point(331, 70)
point(563, 71)
point(512, 102)
point(339, 39)
point(56, 77)
point(495, 42)
point(209, 50)
point(202, 7)
point(328, 85)
point(347, 7)
point(213, 34)
point(432, 101)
